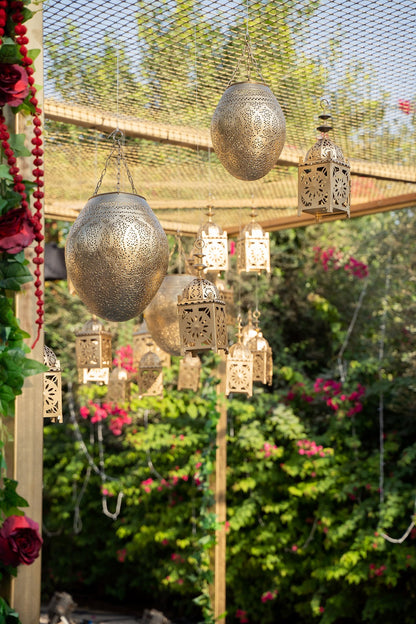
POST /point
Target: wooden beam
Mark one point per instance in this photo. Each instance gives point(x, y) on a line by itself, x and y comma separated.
point(199, 138)
point(220, 600)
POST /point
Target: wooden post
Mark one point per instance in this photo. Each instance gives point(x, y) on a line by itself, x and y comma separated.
point(219, 593)
point(24, 454)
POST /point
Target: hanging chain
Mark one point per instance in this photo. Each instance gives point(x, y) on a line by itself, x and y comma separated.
point(117, 153)
point(251, 62)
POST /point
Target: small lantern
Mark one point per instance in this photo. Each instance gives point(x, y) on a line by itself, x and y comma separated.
point(93, 345)
point(249, 331)
point(142, 342)
point(201, 312)
point(189, 373)
point(118, 386)
point(150, 375)
point(215, 245)
point(253, 248)
point(52, 387)
point(99, 376)
point(227, 294)
point(324, 181)
point(239, 367)
point(262, 355)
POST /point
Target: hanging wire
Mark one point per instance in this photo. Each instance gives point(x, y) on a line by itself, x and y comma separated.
point(342, 367)
point(380, 376)
point(77, 522)
point(117, 153)
point(149, 458)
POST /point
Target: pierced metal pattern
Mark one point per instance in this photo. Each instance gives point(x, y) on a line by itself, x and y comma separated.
point(143, 342)
point(248, 130)
point(116, 255)
point(161, 314)
point(118, 386)
point(253, 249)
point(52, 387)
point(239, 370)
point(262, 354)
point(189, 373)
point(99, 376)
point(150, 375)
point(215, 245)
point(93, 346)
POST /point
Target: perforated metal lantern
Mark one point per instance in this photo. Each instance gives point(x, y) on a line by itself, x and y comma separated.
point(202, 324)
point(262, 353)
point(118, 386)
point(248, 331)
point(99, 376)
point(253, 248)
point(227, 295)
point(248, 130)
point(215, 245)
point(150, 375)
point(52, 387)
point(93, 345)
point(324, 180)
point(116, 255)
point(143, 342)
point(239, 368)
point(161, 314)
point(189, 373)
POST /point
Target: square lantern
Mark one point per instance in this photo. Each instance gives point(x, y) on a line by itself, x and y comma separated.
point(150, 375)
point(93, 346)
point(253, 248)
point(215, 245)
point(189, 373)
point(239, 368)
point(52, 387)
point(118, 386)
point(324, 180)
point(202, 324)
point(262, 357)
point(99, 376)
point(143, 342)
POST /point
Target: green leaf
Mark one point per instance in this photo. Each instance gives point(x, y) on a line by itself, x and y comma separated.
point(5, 174)
point(17, 143)
point(9, 51)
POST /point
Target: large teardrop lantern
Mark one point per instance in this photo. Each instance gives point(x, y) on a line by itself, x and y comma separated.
point(324, 181)
point(248, 127)
point(116, 251)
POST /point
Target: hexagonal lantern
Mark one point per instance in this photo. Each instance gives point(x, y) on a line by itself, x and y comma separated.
point(202, 324)
point(93, 352)
point(189, 372)
point(253, 248)
point(262, 355)
point(239, 367)
point(324, 180)
point(118, 386)
point(52, 387)
point(150, 375)
point(143, 342)
point(215, 245)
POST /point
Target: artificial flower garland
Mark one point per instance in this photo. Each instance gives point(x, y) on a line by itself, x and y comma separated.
point(19, 227)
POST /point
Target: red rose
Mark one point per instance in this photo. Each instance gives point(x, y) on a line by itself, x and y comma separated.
point(16, 230)
point(20, 541)
point(14, 86)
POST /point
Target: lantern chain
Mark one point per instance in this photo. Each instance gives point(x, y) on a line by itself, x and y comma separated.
point(251, 62)
point(117, 153)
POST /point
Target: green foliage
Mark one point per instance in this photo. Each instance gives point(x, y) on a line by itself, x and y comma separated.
point(7, 614)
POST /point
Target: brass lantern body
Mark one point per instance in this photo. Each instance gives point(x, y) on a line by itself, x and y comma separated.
point(248, 130)
point(215, 245)
point(118, 386)
point(253, 249)
point(116, 255)
point(150, 375)
point(202, 321)
point(93, 345)
point(189, 373)
point(227, 295)
point(262, 356)
point(143, 342)
point(239, 370)
point(52, 387)
point(99, 376)
point(161, 314)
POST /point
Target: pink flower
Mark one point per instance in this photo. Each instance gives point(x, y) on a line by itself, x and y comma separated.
point(232, 248)
point(121, 555)
point(84, 411)
point(406, 106)
point(294, 548)
point(180, 581)
point(321, 609)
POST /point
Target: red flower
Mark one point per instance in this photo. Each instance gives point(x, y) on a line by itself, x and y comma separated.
point(16, 230)
point(20, 541)
point(405, 106)
point(14, 87)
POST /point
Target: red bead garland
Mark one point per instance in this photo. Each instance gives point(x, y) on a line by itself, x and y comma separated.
point(16, 6)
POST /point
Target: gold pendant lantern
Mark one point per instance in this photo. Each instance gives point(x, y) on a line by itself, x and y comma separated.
point(239, 367)
point(143, 342)
point(189, 373)
point(116, 251)
point(324, 181)
point(262, 355)
point(215, 245)
point(201, 312)
point(52, 387)
point(227, 295)
point(118, 386)
point(161, 314)
point(150, 374)
point(248, 127)
point(93, 352)
point(253, 248)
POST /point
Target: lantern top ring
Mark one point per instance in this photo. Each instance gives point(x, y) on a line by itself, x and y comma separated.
point(324, 104)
